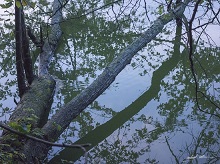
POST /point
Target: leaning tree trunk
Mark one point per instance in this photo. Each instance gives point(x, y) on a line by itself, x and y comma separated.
point(33, 109)
point(35, 151)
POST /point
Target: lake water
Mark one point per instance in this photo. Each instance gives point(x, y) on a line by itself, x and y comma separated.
point(149, 114)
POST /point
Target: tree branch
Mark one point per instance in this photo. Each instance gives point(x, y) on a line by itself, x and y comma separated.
point(27, 61)
point(51, 42)
point(79, 146)
point(19, 62)
point(175, 157)
point(191, 56)
point(38, 43)
point(72, 109)
point(58, 123)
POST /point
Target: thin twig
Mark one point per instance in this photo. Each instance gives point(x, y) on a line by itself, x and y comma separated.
point(89, 12)
point(191, 52)
point(81, 146)
point(176, 159)
point(190, 43)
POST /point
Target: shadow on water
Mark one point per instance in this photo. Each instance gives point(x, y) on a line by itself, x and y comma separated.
point(103, 131)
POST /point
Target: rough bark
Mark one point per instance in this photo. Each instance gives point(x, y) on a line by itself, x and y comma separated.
point(32, 111)
point(72, 109)
point(51, 42)
point(35, 103)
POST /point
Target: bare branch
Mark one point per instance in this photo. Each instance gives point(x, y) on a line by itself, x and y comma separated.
point(146, 12)
point(81, 146)
point(96, 9)
point(50, 44)
point(191, 57)
point(19, 61)
point(211, 21)
point(190, 43)
point(175, 157)
point(33, 38)
point(26, 57)
point(72, 109)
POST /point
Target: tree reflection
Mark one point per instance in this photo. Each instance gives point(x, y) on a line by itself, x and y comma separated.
point(117, 150)
point(171, 80)
point(119, 120)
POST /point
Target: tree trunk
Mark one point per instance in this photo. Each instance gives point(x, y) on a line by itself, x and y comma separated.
point(31, 112)
point(33, 109)
point(72, 109)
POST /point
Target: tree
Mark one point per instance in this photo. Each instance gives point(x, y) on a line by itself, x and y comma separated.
point(31, 113)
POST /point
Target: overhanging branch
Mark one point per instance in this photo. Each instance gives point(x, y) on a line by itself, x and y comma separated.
point(72, 109)
point(80, 146)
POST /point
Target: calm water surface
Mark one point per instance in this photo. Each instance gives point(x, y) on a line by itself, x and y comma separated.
point(148, 115)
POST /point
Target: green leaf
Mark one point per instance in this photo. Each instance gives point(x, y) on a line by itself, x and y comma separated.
point(7, 5)
point(21, 128)
point(59, 127)
point(18, 4)
point(24, 3)
point(33, 4)
point(161, 9)
point(13, 125)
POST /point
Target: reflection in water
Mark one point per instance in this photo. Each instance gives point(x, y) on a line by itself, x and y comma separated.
point(134, 141)
point(162, 125)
